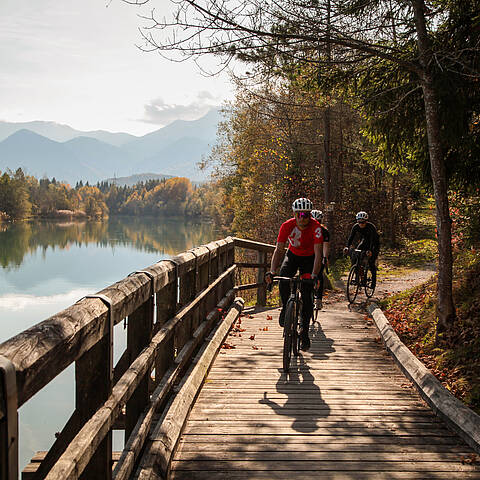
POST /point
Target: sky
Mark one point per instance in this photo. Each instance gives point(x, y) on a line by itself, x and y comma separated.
point(78, 63)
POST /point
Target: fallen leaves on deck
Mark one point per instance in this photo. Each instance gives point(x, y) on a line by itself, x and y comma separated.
point(470, 459)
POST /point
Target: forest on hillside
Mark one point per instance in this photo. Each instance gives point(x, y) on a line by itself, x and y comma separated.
point(23, 197)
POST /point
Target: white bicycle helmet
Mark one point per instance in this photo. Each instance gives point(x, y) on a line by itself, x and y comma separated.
point(302, 205)
point(317, 215)
point(361, 216)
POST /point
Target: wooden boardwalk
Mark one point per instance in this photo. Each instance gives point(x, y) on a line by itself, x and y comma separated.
point(346, 412)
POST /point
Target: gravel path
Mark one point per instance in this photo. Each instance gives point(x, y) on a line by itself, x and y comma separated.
point(386, 285)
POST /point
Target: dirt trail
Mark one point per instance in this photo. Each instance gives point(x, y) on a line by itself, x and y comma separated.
point(388, 284)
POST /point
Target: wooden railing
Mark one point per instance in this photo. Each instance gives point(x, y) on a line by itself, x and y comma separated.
point(169, 308)
point(262, 265)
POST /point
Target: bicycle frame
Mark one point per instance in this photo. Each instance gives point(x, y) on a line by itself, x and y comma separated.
point(293, 312)
point(358, 275)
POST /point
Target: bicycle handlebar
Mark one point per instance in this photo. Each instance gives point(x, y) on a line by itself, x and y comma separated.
point(290, 279)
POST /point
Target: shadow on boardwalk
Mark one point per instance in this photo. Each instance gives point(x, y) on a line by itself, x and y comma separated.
point(303, 383)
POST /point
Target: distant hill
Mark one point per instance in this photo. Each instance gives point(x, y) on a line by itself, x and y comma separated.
point(62, 133)
point(182, 150)
point(38, 156)
point(70, 155)
point(84, 159)
point(134, 179)
point(204, 129)
point(101, 157)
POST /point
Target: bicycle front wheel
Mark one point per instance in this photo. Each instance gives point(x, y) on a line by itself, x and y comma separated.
point(369, 283)
point(353, 284)
point(288, 336)
point(295, 329)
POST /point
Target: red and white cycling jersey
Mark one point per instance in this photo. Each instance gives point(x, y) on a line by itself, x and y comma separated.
point(300, 242)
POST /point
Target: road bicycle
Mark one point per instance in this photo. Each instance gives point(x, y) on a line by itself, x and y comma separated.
point(293, 315)
point(360, 275)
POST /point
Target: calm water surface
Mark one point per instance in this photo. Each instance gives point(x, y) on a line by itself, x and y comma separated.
point(47, 266)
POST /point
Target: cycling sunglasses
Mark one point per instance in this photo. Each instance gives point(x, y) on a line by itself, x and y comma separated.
point(303, 214)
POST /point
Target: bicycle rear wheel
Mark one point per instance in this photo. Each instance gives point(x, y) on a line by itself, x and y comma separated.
point(288, 335)
point(353, 284)
point(369, 284)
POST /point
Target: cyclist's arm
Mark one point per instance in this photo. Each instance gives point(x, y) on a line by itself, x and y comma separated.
point(277, 256)
point(372, 239)
point(326, 248)
point(317, 264)
point(326, 242)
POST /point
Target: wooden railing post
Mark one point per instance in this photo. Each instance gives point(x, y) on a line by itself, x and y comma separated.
point(93, 385)
point(139, 334)
point(166, 308)
point(262, 289)
point(8, 421)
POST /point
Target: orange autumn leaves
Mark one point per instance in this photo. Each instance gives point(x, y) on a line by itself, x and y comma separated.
point(237, 331)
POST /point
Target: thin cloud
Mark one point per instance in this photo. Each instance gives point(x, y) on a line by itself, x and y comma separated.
point(15, 302)
point(159, 112)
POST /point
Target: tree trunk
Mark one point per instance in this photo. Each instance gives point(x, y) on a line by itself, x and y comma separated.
point(393, 233)
point(445, 305)
point(327, 151)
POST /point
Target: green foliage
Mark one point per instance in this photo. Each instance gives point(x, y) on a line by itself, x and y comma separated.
point(464, 210)
point(14, 201)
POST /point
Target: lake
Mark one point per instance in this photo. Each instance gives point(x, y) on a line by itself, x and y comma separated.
point(47, 266)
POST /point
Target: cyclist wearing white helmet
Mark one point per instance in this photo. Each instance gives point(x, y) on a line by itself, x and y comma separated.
point(369, 241)
point(304, 253)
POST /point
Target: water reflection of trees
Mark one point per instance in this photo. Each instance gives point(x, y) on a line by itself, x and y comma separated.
point(167, 236)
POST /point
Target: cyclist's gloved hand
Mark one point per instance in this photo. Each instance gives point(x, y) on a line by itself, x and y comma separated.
point(325, 261)
point(269, 280)
point(316, 281)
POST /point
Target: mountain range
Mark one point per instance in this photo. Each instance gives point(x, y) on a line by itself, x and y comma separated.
point(48, 149)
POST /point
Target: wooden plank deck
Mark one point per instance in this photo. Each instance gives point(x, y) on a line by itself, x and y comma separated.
point(346, 412)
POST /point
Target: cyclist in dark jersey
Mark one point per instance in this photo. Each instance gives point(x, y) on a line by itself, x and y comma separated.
point(304, 253)
point(318, 215)
point(369, 241)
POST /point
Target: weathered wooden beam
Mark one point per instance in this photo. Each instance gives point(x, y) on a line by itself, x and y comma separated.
point(93, 386)
point(140, 325)
point(250, 265)
point(248, 286)
point(262, 289)
point(8, 421)
point(166, 309)
point(250, 244)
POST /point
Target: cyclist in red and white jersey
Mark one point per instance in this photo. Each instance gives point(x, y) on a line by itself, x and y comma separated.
point(304, 253)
